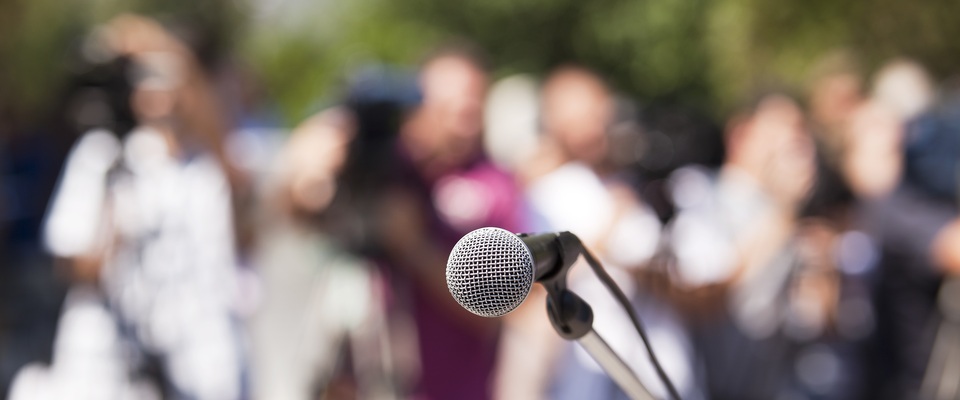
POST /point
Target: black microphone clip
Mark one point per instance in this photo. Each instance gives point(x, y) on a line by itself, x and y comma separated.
point(569, 314)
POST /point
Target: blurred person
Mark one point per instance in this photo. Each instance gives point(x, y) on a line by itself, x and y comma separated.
point(85, 357)
point(146, 218)
point(443, 188)
point(865, 166)
point(872, 168)
point(511, 119)
point(88, 357)
point(31, 156)
point(903, 168)
point(577, 109)
point(317, 248)
point(835, 91)
point(527, 340)
point(572, 186)
point(762, 289)
point(873, 161)
point(905, 86)
point(324, 306)
point(898, 163)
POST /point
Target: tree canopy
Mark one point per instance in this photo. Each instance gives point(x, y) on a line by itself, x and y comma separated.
point(705, 54)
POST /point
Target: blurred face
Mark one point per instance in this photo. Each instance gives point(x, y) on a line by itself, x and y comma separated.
point(577, 109)
point(834, 98)
point(793, 166)
point(905, 88)
point(872, 158)
point(451, 117)
point(158, 76)
point(774, 146)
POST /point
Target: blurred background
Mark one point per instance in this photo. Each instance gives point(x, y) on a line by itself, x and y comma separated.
point(255, 199)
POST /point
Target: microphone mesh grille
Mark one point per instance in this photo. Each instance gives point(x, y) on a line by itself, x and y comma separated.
point(490, 272)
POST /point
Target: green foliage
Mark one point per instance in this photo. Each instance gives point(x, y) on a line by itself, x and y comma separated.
point(779, 42)
point(698, 52)
point(710, 54)
point(33, 36)
point(40, 41)
point(303, 58)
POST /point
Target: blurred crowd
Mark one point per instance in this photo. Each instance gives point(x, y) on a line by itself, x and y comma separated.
point(174, 242)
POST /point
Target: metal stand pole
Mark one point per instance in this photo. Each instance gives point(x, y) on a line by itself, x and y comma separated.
point(572, 318)
point(611, 363)
point(940, 379)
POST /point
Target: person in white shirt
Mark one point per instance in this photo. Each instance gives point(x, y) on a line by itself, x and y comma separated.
point(150, 216)
point(571, 186)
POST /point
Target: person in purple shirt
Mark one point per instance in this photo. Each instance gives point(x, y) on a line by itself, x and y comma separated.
point(443, 189)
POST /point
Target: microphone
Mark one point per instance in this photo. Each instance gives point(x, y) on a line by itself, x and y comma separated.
point(490, 271)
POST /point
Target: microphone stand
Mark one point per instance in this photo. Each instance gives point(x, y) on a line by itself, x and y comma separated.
point(572, 318)
point(939, 380)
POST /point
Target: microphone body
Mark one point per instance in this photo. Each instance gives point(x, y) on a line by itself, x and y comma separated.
point(490, 271)
point(545, 252)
